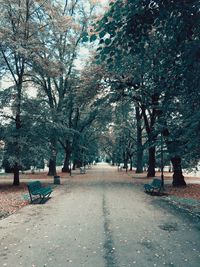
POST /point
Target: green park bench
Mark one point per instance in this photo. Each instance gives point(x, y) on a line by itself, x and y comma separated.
point(155, 186)
point(36, 189)
point(82, 170)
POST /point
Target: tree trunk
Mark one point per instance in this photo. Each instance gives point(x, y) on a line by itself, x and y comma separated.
point(149, 121)
point(125, 161)
point(16, 175)
point(68, 151)
point(66, 167)
point(139, 164)
point(178, 178)
point(139, 155)
point(17, 146)
point(173, 147)
point(52, 160)
point(52, 167)
point(152, 161)
point(74, 166)
point(131, 164)
point(113, 160)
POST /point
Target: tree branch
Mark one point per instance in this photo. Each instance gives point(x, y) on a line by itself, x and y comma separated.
point(7, 63)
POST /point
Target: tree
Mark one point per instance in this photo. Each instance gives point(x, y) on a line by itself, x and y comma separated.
point(33, 135)
point(54, 67)
point(18, 30)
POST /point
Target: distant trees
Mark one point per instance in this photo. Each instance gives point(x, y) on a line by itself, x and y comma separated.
point(81, 111)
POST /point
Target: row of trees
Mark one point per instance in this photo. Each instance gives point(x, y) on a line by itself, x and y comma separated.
point(152, 53)
point(141, 87)
point(50, 107)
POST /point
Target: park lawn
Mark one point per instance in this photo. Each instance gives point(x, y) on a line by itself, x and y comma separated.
point(12, 199)
point(190, 191)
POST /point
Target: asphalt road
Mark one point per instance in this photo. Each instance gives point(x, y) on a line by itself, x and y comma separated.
point(100, 219)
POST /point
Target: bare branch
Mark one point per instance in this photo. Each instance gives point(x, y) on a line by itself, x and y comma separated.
point(8, 65)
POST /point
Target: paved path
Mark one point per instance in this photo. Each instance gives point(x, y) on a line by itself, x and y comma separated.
point(100, 219)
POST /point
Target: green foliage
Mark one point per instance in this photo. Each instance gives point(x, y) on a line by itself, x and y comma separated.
point(152, 50)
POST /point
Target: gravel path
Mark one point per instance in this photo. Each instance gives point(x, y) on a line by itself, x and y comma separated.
point(100, 219)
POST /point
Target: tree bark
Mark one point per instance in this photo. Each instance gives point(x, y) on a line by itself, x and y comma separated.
point(68, 150)
point(125, 160)
point(16, 174)
point(149, 125)
point(131, 164)
point(139, 155)
point(74, 165)
point(18, 126)
point(152, 161)
point(52, 160)
point(173, 148)
point(178, 178)
point(52, 167)
point(66, 167)
point(139, 164)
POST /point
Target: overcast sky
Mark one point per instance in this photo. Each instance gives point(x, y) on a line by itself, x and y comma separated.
point(85, 51)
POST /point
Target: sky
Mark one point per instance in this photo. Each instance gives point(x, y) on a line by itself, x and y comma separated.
point(84, 52)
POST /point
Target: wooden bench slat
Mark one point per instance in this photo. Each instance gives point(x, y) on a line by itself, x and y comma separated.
point(82, 170)
point(36, 188)
point(156, 185)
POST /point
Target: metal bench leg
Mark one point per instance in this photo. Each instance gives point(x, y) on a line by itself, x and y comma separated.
point(41, 198)
point(44, 196)
point(30, 197)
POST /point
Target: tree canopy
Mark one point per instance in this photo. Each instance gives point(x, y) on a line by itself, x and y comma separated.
point(140, 83)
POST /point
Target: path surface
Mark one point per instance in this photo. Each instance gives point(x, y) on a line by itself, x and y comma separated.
point(100, 219)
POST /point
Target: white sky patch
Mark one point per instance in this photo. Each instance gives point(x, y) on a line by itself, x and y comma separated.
point(5, 82)
point(83, 55)
point(85, 51)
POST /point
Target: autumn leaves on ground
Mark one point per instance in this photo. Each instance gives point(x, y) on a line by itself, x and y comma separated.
point(13, 198)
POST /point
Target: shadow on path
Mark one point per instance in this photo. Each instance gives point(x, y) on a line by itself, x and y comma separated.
point(110, 254)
